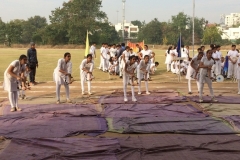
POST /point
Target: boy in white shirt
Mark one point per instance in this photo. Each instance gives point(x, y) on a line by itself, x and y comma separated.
point(232, 63)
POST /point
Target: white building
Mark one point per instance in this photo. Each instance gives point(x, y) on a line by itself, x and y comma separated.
point(232, 19)
point(231, 33)
point(129, 27)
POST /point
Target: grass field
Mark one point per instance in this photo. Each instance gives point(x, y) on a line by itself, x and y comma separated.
point(48, 60)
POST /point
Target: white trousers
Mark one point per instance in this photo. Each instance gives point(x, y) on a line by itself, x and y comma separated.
point(239, 85)
point(125, 82)
point(83, 80)
point(100, 65)
point(209, 83)
point(58, 88)
point(168, 67)
point(13, 98)
point(190, 85)
point(232, 70)
point(139, 85)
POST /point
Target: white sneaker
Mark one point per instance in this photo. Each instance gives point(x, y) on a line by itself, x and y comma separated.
point(125, 99)
point(148, 93)
point(200, 100)
point(239, 93)
point(134, 99)
point(89, 93)
point(58, 102)
point(139, 93)
point(213, 99)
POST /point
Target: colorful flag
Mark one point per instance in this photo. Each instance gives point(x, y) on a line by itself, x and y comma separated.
point(133, 45)
point(87, 46)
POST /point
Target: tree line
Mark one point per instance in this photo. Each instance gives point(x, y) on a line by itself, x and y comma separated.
point(69, 24)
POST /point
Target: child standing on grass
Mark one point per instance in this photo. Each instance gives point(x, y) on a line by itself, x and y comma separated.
point(86, 69)
point(142, 72)
point(128, 73)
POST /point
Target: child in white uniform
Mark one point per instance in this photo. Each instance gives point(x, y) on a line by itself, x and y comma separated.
point(24, 85)
point(168, 58)
point(206, 65)
point(11, 76)
point(86, 69)
point(193, 70)
point(128, 73)
point(112, 67)
point(153, 67)
point(60, 75)
point(232, 66)
point(142, 72)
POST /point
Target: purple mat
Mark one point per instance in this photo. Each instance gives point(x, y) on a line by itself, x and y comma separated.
point(62, 149)
point(192, 125)
point(234, 121)
point(71, 109)
point(151, 110)
point(143, 99)
point(150, 147)
point(221, 99)
point(47, 125)
point(180, 147)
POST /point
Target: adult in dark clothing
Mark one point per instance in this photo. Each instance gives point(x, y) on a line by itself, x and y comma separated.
point(121, 50)
point(33, 62)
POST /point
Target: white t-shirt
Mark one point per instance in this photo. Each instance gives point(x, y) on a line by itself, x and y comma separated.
point(92, 50)
point(130, 68)
point(113, 52)
point(215, 55)
point(232, 54)
point(88, 66)
point(143, 65)
point(184, 53)
point(105, 52)
point(62, 65)
point(126, 54)
point(146, 52)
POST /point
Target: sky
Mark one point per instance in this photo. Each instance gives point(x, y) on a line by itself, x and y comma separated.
point(143, 10)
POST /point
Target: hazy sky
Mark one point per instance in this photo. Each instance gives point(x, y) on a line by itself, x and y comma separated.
point(135, 9)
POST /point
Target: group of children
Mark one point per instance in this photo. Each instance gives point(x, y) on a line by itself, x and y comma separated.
point(113, 56)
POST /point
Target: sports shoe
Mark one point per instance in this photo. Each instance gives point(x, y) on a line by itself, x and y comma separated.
point(213, 99)
point(125, 99)
point(58, 102)
point(13, 109)
point(18, 109)
point(134, 99)
point(200, 100)
point(89, 93)
point(83, 93)
point(139, 93)
point(148, 93)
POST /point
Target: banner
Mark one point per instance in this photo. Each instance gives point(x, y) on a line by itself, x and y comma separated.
point(133, 45)
point(87, 46)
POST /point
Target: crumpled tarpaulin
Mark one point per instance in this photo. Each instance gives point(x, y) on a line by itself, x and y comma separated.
point(180, 147)
point(234, 121)
point(63, 149)
point(221, 99)
point(71, 109)
point(144, 99)
point(51, 121)
point(151, 110)
point(182, 125)
point(154, 147)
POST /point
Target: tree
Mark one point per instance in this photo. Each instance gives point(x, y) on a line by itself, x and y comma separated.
point(78, 16)
point(151, 32)
point(14, 31)
point(137, 23)
point(2, 31)
point(212, 35)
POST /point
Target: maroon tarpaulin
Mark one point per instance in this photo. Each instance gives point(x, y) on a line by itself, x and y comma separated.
point(221, 99)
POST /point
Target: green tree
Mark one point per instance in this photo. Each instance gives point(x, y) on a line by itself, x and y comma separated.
point(78, 16)
point(137, 23)
point(2, 31)
point(14, 31)
point(212, 35)
point(151, 32)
